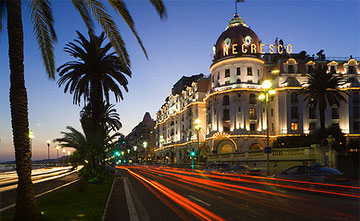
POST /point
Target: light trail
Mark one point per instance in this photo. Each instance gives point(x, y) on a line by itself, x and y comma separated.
point(305, 207)
point(272, 184)
point(166, 202)
point(180, 200)
point(272, 203)
point(263, 177)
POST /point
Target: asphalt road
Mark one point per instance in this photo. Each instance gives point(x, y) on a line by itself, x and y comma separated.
point(8, 197)
point(177, 194)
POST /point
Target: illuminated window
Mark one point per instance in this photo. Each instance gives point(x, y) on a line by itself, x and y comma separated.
point(252, 112)
point(294, 126)
point(227, 73)
point(227, 82)
point(238, 72)
point(249, 71)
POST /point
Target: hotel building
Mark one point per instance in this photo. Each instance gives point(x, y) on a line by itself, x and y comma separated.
point(232, 118)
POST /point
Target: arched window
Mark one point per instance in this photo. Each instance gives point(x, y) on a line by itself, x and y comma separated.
point(226, 100)
point(252, 99)
point(356, 99)
point(294, 98)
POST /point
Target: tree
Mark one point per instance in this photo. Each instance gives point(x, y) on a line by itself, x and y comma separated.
point(94, 73)
point(42, 19)
point(92, 144)
point(323, 89)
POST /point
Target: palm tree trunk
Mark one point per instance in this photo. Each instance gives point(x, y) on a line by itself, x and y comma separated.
point(26, 205)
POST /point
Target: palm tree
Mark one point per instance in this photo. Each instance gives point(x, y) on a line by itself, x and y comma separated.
point(323, 89)
point(91, 145)
point(94, 73)
point(41, 15)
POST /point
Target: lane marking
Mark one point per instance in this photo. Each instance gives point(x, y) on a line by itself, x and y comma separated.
point(41, 194)
point(199, 200)
point(130, 203)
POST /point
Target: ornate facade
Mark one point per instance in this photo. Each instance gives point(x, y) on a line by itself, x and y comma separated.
point(232, 118)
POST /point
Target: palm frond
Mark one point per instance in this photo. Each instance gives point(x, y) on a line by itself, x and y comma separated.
point(84, 13)
point(120, 7)
point(159, 6)
point(110, 28)
point(42, 19)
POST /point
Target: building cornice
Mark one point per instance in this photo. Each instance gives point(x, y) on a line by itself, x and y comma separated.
point(235, 59)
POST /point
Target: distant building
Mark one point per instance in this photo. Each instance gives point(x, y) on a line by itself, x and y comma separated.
point(143, 138)
point(226, 103)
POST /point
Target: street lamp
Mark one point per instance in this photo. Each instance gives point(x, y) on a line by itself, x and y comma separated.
point(31, 137)
point(69, 152)
point(197, 126)
point(266, 97)
point(57, 151)
point(48, 145)
point(135, 148)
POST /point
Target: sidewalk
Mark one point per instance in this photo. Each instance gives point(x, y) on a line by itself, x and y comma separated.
point(117, 207)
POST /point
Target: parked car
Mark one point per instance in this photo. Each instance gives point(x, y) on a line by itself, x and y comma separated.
point(217, 167)
point(244, 169)
point(317, 174)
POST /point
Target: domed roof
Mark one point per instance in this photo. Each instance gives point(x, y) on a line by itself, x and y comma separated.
point(236, 40)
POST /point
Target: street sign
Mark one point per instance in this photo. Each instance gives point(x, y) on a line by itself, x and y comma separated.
point(267, 149)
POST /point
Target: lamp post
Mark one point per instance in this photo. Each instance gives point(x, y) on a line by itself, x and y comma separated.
point(31, 137)
point(48, 145)
point(266, 97)
point(57, 152)
point(145, 145)
point(197, 126)
point(135, 148)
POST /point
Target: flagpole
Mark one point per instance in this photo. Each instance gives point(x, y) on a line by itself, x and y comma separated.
point(235, 6)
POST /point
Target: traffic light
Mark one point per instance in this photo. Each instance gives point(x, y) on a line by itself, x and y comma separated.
point(192, 154)
point(117, 153)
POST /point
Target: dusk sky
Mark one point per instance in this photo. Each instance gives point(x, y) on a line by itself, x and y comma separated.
point(179, 45)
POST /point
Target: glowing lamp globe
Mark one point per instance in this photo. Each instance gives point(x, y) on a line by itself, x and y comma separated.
point(266, 84)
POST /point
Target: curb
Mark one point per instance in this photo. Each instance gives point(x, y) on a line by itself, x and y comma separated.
point(108, 200)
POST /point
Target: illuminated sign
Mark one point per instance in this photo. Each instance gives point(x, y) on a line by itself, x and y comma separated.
point(248, 47)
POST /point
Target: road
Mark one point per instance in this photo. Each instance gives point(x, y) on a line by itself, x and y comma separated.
point(44, 180)
point(178, 194)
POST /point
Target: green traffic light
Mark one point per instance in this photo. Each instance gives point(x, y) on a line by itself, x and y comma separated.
point(192, 154)
point(117, 153)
